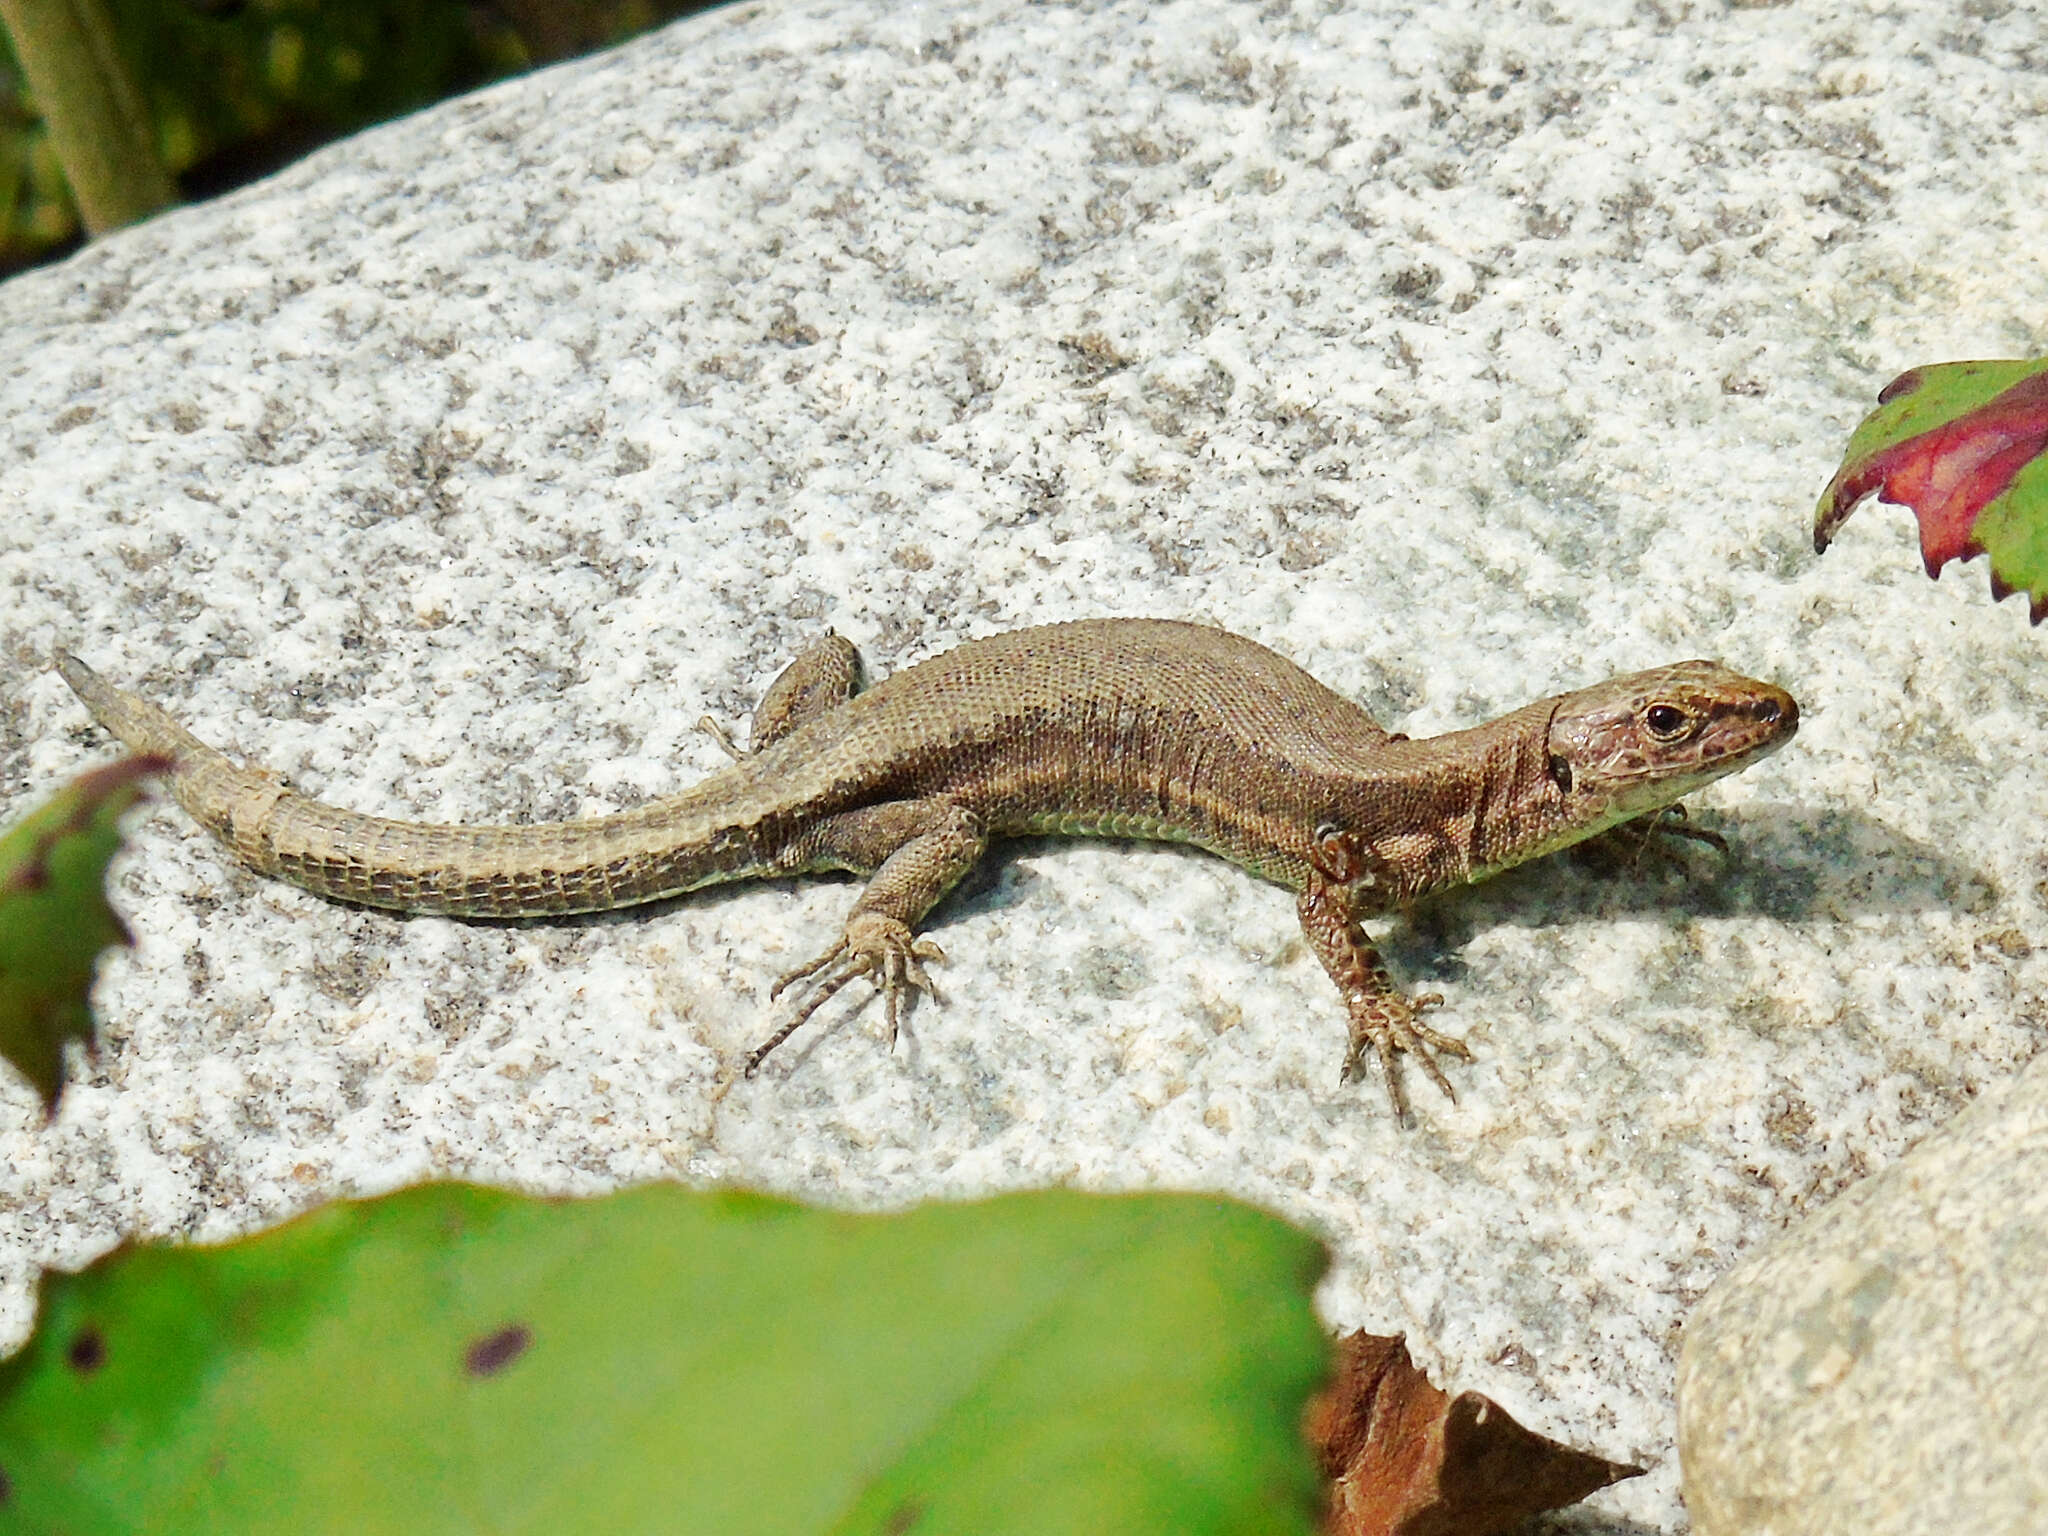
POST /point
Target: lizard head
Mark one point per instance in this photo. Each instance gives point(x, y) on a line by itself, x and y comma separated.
point(1636, 743)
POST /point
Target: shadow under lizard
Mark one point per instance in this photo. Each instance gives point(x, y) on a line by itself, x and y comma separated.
point(1138, 728)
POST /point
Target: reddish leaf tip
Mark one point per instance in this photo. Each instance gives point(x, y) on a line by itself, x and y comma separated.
point(1904, 384)
point(96, 787)
point(1832, 515)
point(92, 790)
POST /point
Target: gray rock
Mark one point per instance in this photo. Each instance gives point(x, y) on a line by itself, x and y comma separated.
point(1464, 354)
point(1879, 1369)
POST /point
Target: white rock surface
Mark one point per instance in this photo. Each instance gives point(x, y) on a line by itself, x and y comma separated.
point(1463, 354)
point(1877, 1370)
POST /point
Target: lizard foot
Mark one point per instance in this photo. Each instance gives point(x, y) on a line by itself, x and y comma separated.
point(1647, 840)
point(1387, 1023)
point(874, 945)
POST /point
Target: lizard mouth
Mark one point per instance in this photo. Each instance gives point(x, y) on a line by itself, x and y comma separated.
point(1750, 728)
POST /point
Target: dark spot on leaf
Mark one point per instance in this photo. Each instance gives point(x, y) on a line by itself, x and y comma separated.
point(32, 874)
point(494, 1351)
point(1904, 384)
point(904, 1518)
point(88, 1351)
point(6, 1489)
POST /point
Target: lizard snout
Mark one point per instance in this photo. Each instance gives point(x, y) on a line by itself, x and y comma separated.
point(1774, 706)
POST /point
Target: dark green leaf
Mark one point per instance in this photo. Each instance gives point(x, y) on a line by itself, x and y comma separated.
point(54, 917)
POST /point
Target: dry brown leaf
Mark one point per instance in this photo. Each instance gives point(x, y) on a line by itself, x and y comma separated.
point(1404, 1459)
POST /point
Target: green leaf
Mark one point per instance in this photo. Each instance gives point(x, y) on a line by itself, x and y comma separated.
point(454, 1359)
point(54, 917)
point(1961, 444)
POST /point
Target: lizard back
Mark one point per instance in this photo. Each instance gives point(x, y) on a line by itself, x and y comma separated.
point(1119, 727)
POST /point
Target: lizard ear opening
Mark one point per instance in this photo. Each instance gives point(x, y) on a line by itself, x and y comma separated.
point(1561, 772)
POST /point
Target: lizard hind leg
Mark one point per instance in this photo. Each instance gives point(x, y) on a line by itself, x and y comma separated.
point(930, 846)
point(823, 677)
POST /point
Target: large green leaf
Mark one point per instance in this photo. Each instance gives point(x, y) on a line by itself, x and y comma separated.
point(54, 917)
point(453, 1359)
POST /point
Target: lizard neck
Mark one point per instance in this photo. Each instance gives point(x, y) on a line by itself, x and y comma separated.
point(1462, 806)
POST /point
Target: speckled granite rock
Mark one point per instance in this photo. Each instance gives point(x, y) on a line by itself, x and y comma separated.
point(1463, 354)
point(1878, 1370)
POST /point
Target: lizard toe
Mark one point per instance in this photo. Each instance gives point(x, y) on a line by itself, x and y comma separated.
point(1415, 1036)
point(850, 967)
point(808, 969)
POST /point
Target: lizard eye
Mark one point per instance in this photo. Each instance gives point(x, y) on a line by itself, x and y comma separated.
point(1667, 722)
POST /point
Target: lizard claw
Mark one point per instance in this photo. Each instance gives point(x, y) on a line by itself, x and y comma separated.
point(904, 975)
point(874, 945)
point(1387, 1024)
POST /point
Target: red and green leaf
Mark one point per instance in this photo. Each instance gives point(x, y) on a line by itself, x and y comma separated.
point(1961, 444)
point(54, 917)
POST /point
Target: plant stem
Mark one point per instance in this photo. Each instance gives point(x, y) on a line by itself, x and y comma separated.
point(99, 125)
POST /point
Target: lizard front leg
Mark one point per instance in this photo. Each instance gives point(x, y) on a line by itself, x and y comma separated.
point(1646, 839)
point(922, 850)
point(1381, 1017)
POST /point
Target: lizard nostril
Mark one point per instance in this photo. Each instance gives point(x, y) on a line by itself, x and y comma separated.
point(1765, 710)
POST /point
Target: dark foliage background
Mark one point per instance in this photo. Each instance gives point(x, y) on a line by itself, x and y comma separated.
point(238, 88)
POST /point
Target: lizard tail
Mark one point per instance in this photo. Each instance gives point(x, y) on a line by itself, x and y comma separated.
point(663, 848)
point(140, 725)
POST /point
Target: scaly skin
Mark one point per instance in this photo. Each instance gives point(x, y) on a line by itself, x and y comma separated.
point(1140, 728)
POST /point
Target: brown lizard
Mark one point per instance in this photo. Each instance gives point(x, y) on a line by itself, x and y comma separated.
point(1141, 728)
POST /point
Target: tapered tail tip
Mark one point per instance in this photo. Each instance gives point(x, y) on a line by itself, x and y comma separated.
point(75, 672)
